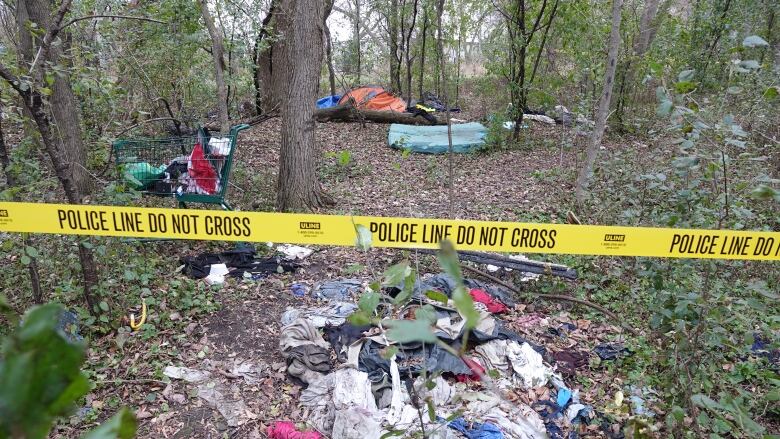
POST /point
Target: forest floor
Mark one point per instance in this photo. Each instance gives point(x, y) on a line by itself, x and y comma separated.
point(241, 319)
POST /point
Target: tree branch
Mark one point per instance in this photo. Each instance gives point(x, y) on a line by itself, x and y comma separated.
point(126, 17)
point(51, 33)
point(556, 297)
point(12, 80)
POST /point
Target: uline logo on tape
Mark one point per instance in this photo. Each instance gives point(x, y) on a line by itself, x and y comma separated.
point(409, 233)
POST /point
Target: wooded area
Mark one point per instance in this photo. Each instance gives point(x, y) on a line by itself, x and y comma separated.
point(642, 113)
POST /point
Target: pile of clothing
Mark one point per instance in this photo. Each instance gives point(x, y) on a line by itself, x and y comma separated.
point(382, 385)
point(197, 173)
point(241, 262)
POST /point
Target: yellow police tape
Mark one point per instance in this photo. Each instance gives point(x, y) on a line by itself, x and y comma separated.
point(138, 222)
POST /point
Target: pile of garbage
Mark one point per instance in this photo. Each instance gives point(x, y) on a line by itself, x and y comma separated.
point(377, 386)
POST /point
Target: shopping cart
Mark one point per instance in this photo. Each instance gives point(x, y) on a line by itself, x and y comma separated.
point(192, 169)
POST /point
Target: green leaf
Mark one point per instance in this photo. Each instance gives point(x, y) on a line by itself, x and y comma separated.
point(359, 318)
point(664, 108)
point(393, 433)
point(754, 41)
point(344, 158)
point(464, 303)
point(408, 289)
point(685, 75)
point(363, 238)
point(764, 192)
point(389, 352)
point(368, 302)
point(705, 401)
point(396, 274)
point(40, 373)
point(684, 87)
point(31, 251)
point(734, 90)
point(448, 259)
point(25, 260)
point(103, 306)
point(772, 93)
point(354, 268)
point(437, 296)
point(122, 425)
point(431, 410)
point(8, 312)
point(407, 331)
point(426, 313)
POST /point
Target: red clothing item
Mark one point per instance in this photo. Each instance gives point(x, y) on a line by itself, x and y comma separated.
point(492, 304)
point(475, 367)
point(200, 170)
point(286, 430)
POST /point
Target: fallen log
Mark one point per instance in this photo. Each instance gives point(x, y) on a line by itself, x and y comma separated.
point(348, 113)
point(523, 265)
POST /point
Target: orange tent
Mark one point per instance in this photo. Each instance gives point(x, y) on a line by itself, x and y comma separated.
point(374, 98)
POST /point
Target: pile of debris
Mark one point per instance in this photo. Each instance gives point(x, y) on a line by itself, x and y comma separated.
point(380, 386)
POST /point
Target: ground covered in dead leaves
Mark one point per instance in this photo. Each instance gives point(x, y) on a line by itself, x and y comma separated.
point(237, 343)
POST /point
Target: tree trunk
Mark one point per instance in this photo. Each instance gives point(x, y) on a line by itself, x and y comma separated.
point(296, 73)
point(422, 53)
point(65, 111)
point(649, 23)
point(328, 48)
point(445, 101)
point(395, 59)
point(357, 38)
point(603, 110)
point(62, 142)
point(256, 74)
point(266, 97)
point(407, 36)
point(218, 52)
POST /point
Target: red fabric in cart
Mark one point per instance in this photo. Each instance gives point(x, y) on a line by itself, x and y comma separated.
point(201, 170)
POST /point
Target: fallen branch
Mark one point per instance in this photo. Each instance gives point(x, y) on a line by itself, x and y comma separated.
point(556, 297)
point(525, 265)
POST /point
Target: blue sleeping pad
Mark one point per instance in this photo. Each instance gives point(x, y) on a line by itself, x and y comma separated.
point(466, 137)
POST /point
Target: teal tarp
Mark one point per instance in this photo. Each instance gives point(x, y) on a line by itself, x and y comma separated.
point(466, 137)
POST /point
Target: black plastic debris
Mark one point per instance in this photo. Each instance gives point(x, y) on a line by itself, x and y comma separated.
point(611, 351)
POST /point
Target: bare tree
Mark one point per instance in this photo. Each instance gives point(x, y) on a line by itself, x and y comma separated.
point(424, 34)
point(218, 53)
point(603, 110)
point(297, 62)
point(523, 25)
point(651, 19)
point(443, 73)
point(265, 96)
point(393, 19)
point(356, 20)
point(406, 46)
point(328, 48)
